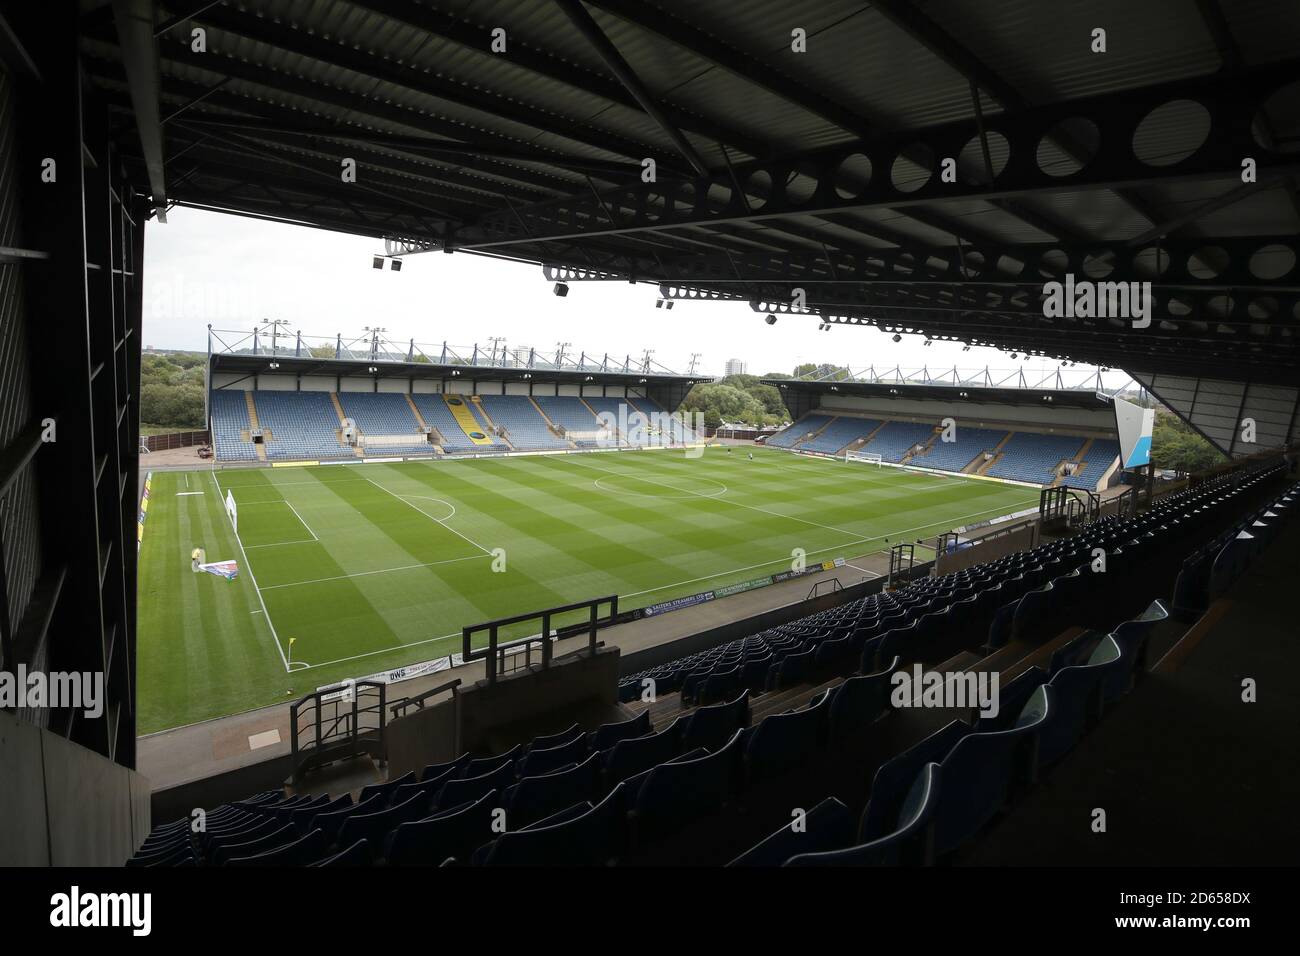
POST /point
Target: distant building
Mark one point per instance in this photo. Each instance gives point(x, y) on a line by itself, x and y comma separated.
point(736, 367)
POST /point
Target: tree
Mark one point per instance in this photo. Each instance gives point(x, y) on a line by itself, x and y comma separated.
point(1176, 447)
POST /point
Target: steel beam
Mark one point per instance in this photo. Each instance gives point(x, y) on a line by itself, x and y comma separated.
point(649, 207)
point(135, 30)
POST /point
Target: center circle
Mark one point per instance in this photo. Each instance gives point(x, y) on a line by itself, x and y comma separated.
point(451, 509)
point(647, 488)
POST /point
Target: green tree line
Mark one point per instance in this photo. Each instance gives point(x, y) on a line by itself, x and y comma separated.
point(171, 391)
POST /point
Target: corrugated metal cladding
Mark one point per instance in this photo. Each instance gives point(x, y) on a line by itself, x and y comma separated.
point(18, 508)
point(1219, 410)
point(1141, 49)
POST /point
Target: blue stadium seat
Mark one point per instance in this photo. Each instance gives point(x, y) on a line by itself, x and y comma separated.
point(784, 742)
point(593, 839)
point(540, 761)
point(469, 789)
point(536, 797)
point(606, 735)
point(858, 702)
point(827, 826)
point(905, 841)
point(711, 727)
point(675, 793)
point(631, 756)
point(375, 827)
point(453, 832)
point(300, 852)
point(358, 854)
point(895, 777)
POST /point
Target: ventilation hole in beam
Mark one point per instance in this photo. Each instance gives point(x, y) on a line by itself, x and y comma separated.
point(1272, 261)
point(1069, 146)
point(853, 176)
point(1171, 133)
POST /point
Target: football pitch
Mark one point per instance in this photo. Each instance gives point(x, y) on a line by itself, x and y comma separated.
point(369, 566)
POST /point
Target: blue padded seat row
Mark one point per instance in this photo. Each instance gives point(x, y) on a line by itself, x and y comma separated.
point(385, 789)
point(543, 760)
point(827, 826)
point(332, 821)
point(859, 702)
point(375, 827)
point(304, 817)
point(978, 776)
point(276, 838)
point(453, 832)
point(711, 727)
point(632, 756)
point(536, 797)
point(676, 793)
point(607, 735)
point(469, 789)
point(595, 838)
point(545, 742)
point(895, 777)
point(905, 841)
point(300, 852)
point(358, 854)
point(784, 742)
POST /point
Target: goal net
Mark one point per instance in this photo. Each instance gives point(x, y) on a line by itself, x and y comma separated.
point(863, 457)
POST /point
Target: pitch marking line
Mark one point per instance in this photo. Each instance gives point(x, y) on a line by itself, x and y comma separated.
point(730, 501)
point(429, 516)
point(249, 565)
point(362, 574)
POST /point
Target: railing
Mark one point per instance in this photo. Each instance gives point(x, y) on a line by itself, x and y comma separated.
point(338, 723)
point(496, 652)
point(834, 585)
point(400, 708)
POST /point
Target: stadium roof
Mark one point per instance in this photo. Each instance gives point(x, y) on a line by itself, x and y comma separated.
point(775, 170)
point(991, 395)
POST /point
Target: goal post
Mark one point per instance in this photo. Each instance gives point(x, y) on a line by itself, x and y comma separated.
point(863, 457)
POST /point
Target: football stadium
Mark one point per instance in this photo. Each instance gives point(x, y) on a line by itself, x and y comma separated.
point(998, 576)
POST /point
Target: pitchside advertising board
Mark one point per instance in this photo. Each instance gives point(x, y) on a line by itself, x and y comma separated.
point(1134, 424)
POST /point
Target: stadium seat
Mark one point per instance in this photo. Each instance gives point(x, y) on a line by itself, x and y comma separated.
point(858, 702)
point(303, 817)
point(711, 727)
point(332, 821)
point(451, 833)
point(565, 736)
point(358, 854)
point(784, 742)
point(827, 826)
point(675, 793)
point(978, 776)
point(468, 789)
point(606, 735)
point(595, 838)
point(386, 789)
point(894, 779)
point(631, 756)
point(375, 827)
point(907, 841)
point(281, 835)
point(536, 797)
point(302, 851)
point(540, 761)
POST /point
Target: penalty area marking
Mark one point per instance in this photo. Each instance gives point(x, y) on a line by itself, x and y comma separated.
point(681, 497)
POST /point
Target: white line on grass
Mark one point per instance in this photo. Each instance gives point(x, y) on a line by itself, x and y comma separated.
point(299, 517)
point(429, 516)
point(774, 514)
point(249, 565)
point(362, 574)
point(836, 547)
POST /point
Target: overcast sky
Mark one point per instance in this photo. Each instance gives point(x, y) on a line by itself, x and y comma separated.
point(231, 272)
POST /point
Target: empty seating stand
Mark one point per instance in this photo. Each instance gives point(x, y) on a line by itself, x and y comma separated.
point(1034, 458)
point(230, 423)
point(303, 425)
point(628, 792)
point(526, 427)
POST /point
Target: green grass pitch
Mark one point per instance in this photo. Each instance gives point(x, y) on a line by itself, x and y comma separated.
point(370, 566)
